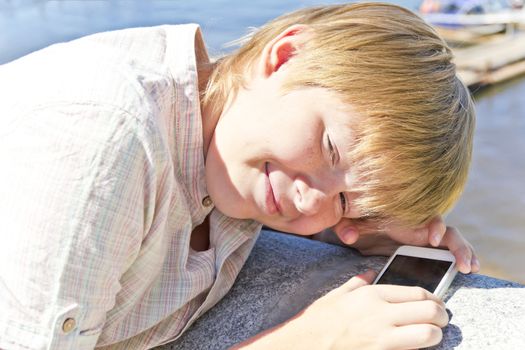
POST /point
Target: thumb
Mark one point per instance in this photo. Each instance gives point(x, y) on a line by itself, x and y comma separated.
point(357, 282)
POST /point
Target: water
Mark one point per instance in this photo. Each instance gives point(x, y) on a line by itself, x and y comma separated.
point(27, 25)
point(490, 213)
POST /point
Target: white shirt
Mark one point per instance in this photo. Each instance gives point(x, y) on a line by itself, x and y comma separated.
point(102, 183)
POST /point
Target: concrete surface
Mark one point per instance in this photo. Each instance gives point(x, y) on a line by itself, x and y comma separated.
point(286, 273)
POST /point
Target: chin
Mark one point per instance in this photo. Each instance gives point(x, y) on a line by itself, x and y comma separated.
point(301, 231)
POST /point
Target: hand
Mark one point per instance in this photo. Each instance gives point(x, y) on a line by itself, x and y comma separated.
point(370, 241)
point(361, 316)
point(466, 259)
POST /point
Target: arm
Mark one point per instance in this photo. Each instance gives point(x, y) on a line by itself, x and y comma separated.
point(369, 241)
point(73, 212)
point(359, 316)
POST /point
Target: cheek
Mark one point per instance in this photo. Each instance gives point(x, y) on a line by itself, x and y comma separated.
point(298, 153)
point(294, 139)
point(220, 184)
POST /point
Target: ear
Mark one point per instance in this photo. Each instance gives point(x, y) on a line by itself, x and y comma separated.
point(281, 49)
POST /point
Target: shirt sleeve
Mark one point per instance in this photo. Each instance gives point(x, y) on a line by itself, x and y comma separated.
point(77, 185)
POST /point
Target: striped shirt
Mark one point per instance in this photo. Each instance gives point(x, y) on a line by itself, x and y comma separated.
point(102, 183)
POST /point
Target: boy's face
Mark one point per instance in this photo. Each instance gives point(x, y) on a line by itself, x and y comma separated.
point(282, 159)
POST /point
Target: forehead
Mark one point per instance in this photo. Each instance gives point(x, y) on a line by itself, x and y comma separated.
point(340, 118)
point(328, 102)
point(332, 114)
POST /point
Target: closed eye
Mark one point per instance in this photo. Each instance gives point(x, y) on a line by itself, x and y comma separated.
point(333, 160)
point(342, 198)
point(331, 150)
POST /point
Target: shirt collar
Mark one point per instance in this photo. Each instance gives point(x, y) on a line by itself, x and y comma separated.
point(181, 58)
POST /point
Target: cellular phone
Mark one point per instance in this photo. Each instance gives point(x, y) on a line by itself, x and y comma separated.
point(429, 268)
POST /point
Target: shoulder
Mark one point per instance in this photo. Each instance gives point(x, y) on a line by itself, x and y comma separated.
point(135, 65)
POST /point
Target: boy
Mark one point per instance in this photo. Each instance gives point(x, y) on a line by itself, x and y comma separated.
point(139, 175)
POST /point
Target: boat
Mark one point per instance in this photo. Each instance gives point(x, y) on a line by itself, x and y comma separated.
point(482, 17)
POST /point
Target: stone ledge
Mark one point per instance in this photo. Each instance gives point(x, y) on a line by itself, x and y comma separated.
point(285, 273)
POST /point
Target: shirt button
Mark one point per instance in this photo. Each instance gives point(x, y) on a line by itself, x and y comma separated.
point(68, 325)
point(207, 201)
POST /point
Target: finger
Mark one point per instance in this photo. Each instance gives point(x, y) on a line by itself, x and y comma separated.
point(419, 312)
point(418, 236)
point(436, 230)
point(403, 294)
point(347, 233)
point(357, 282)
point(460, 248)
point(415, 336)
point(476, 265)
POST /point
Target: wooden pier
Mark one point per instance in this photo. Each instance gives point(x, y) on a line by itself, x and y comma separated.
point(483, 59)
point(490, 62)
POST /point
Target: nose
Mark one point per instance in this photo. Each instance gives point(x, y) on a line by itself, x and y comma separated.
point(309, 200)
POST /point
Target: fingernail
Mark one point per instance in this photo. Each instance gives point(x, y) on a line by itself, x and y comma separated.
point(476, 263)
point(349, 235)
point(435, 239)
point(466, 262)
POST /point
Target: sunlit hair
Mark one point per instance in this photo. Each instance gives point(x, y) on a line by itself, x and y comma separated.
point(413, 142)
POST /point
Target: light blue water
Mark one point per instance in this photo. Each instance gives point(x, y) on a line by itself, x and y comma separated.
point(27, 25)
point(490, 214)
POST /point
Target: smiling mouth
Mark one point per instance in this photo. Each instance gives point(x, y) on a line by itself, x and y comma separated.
point(271, 202)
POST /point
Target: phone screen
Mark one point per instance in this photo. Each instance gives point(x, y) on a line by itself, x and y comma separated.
point(414, 271)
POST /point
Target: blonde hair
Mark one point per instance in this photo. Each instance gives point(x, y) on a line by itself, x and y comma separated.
point(413, 143)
